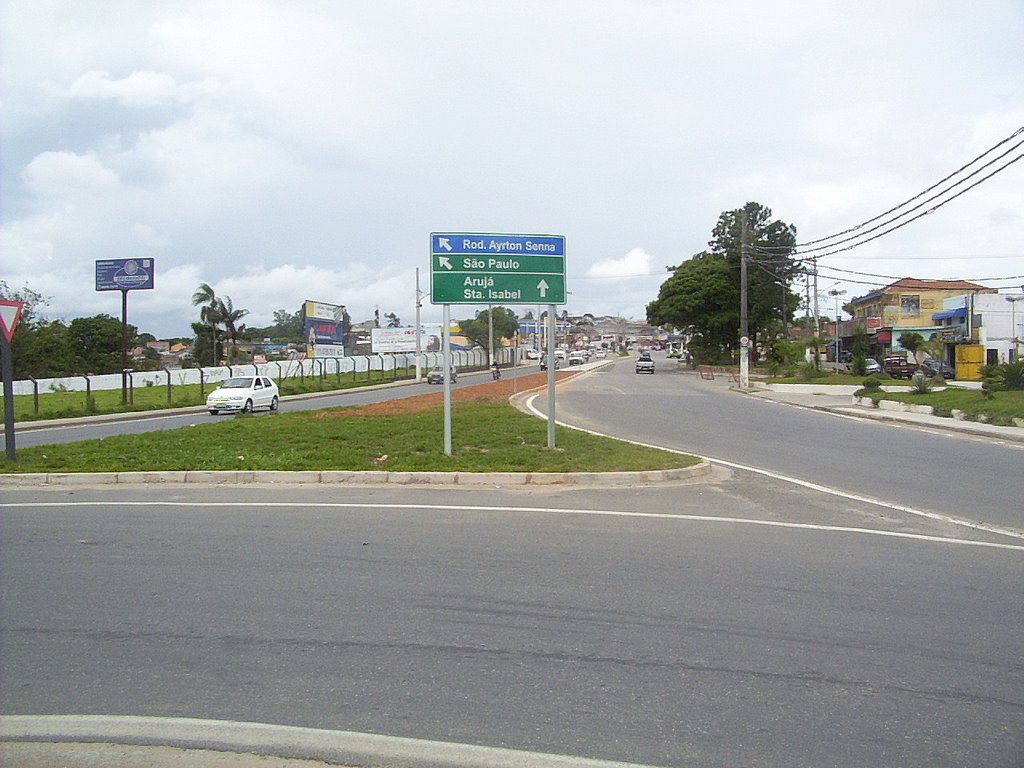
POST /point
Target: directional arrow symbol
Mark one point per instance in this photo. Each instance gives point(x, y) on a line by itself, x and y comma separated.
point(444, 243)
point(444, 261)
point(543, 287)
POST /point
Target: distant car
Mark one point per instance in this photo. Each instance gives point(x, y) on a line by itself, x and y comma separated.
point(436, 375)
point(871, 366)
point(577, 358)
point(532, 354)
point(544, 362)
point(243, 394)
point(600, 353)
point(645, 363)
point(932, 368)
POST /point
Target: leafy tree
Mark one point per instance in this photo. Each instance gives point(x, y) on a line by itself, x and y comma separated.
point(699, 294)
point(394, 321)
point(230, 316)
point(912, 341)
point(98, 341)
point(704, 292)
point(506, 326)
point(209, 316)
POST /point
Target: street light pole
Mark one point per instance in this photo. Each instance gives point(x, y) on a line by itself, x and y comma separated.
point(837, 294)
point(1013, 324)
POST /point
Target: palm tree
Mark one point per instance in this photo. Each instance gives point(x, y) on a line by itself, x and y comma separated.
point(210, 314)
point(230, 317)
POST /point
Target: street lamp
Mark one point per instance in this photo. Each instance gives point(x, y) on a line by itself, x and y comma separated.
point(837, 294)
point(1013, 323)
point(785, 312)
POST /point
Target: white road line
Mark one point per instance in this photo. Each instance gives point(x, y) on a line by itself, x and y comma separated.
point(502, 508)
point(974, 524)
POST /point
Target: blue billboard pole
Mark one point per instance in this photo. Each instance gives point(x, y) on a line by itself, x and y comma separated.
point(124, 275)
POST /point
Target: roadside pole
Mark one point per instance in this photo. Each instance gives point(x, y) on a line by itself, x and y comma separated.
point(8, 374)
point(10, 314)
point(419, 329)
point(552, 364)
point(446, 361)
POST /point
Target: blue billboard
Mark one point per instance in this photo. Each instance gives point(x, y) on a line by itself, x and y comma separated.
point(124, 274)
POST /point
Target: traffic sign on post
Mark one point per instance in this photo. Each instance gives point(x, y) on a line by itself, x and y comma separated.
point(475, 268)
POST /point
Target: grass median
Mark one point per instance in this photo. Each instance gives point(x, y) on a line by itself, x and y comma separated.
point(488, 435)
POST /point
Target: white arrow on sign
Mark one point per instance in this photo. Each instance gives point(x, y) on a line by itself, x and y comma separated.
point(444, 262)
point(444, 243)
point(543, 286)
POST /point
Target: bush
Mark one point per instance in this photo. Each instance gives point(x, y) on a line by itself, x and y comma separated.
point(808, 371)
point(872, 384)
point(859, 365)
point(1012, 375)
point(921, 384)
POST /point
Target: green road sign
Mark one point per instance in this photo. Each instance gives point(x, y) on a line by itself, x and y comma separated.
point(474, 268)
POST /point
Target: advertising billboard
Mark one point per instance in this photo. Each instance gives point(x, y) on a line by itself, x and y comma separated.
point(385, 340)
point(324, 329)
point(124, 274)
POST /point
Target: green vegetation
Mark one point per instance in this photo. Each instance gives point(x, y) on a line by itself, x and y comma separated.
point(486, 437)
point(65, 404)
point(999, 408)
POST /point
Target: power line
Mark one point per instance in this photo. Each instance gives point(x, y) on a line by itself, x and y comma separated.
point(922, 192)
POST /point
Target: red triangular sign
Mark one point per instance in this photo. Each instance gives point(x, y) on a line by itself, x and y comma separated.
point(10, 314)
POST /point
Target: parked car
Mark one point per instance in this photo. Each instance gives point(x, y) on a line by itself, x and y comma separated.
point(898, 367)
point(436, 375)
point(871, 366)
point(932, 368)
point(533, 354)
point(645, 363)
point(243, 394)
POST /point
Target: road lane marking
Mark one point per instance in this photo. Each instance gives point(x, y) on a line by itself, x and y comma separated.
point(949, 519)
point(505, 508)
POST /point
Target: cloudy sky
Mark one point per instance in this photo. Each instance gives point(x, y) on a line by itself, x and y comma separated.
point(284, 150)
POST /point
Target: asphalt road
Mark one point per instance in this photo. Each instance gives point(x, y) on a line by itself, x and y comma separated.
point(739, 620)
point(943, 472)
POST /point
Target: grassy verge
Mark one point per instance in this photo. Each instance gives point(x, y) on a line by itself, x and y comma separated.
point(486, 437)
point(64, 405)
point(1000, 409)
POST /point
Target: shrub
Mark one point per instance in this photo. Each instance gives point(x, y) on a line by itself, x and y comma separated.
point(859, 365)
point(921, 384)
point(1012, 375)
point(872, 384)
point(808, 371)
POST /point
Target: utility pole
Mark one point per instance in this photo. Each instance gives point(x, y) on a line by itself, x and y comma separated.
point(744, 334)
point(419, 328)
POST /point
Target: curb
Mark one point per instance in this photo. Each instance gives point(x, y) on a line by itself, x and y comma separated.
point(370, 478)
point(213, 738)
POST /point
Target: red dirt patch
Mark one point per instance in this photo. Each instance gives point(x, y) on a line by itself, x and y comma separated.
point(489, 390)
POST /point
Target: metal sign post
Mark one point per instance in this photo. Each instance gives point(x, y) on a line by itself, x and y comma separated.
point(488, 268)
point(10, 314)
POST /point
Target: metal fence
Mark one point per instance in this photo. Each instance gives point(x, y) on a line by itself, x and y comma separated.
point(337, 367)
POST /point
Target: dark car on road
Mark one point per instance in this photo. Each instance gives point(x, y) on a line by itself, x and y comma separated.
point(932, 368)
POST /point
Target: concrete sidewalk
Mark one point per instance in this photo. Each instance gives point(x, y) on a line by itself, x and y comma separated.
point(840, 400)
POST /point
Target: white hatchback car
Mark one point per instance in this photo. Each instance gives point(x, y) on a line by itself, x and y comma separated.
point(243, 394)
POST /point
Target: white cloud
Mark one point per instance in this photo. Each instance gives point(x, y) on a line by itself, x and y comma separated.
point(61, 176)
point(636, 263)
point(269, 148)
point(139, 89)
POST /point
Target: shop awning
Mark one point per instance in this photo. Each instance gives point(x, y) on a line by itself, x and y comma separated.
point(946, 314)
point(884, 336)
